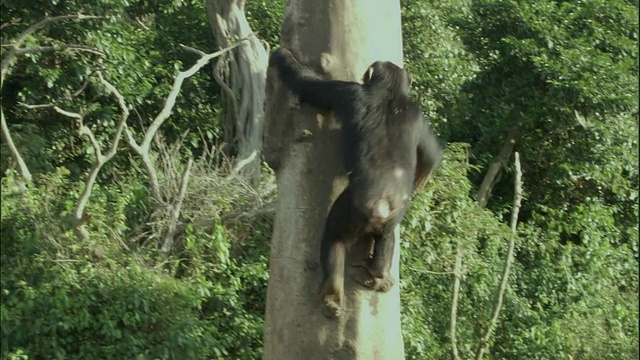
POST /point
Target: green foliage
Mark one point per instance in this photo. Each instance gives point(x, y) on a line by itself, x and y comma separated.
point(437, 60)
point(83, 311)
point(265, 18)
point(565, 75)
point(438, 220)
point(104, 298)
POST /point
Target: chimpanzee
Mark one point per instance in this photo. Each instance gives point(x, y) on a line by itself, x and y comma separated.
point(389, 151)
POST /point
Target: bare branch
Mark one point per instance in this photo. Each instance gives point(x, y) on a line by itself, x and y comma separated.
point(15, 46)
point(42, 49)
point(75, 94)
point(37, 26)
point(23, 171)
point(497, 304)
point(175, 209)
point(175, 90)
point(79, 218)
point(193, 50)
point(143, 149)
point(82, 130)
point(67, 113)
point(457, 271)
point(82, 88)
point(6, 63)
point(242, 163)
point(37, 106)
point(7, 24)
point(154, 183)
point(495, 169)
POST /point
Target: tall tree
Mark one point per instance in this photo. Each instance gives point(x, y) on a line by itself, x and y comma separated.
point(341, 39)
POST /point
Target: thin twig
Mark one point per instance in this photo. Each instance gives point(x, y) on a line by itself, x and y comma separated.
point(482, 346)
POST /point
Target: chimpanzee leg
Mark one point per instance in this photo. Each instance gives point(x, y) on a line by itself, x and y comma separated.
point(341, 228)
point(377, 268)
point(382, 254)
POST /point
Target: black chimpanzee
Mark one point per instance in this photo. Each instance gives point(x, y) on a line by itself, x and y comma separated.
point(389, 151)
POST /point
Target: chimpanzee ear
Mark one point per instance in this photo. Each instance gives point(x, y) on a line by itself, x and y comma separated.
point(409, 79)
point(368, 75)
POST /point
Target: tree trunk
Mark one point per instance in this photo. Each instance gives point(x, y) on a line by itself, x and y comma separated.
point(341, 38)
point(242, 74)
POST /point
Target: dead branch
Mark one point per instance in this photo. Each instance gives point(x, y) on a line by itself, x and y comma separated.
point(79, 218)
point(143, 149)
point(457, 271)
point(42, 23)
point(16, 45)
point(242, 163)
point(495, 169)
point(44, 49)
point(23, 170)
point(175, 209)
point(193, 50)
point(497, 304)
point(15, 51)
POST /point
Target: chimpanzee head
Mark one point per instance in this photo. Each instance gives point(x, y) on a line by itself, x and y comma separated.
point(388, 75)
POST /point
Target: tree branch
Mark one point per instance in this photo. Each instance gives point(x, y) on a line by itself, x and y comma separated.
point(457, 271)
point(495, 169)
point(42, 49)
point(143, 149)
point(6, 63)
point(175, 90)
point(242, 163)
point(175, 210)
point(42, 23)
point(23, 170)
point(79, 218)
point(15, 46)
point(507, 265)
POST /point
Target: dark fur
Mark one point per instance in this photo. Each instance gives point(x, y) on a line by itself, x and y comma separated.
point(389, 151)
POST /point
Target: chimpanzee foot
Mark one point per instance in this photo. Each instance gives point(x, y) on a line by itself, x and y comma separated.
point(331, 309)
point(383, 283)
point(332, 302)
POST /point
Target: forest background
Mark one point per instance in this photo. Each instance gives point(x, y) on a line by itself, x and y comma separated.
point(126, 240)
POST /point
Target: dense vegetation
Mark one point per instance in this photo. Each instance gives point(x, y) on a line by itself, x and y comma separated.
point(558, 78)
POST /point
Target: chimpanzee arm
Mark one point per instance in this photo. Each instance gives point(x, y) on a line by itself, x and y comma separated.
point(429, 153)
point(310, 87)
